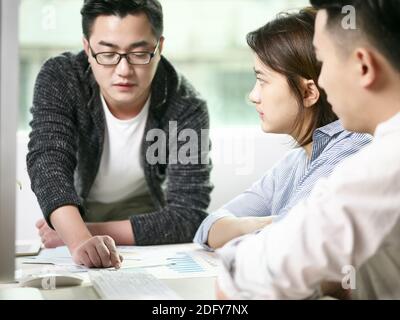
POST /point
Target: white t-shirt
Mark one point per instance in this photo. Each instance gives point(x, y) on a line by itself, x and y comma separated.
point(121, 176)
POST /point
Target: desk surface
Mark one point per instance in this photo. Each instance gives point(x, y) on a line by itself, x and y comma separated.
point(198, 288)
point(189, 289)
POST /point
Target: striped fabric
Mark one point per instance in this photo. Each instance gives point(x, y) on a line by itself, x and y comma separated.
point(291, 179)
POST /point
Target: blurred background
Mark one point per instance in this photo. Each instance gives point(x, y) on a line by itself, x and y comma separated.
point(206, 41)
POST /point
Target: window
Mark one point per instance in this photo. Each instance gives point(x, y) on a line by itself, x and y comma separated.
point(210, 50)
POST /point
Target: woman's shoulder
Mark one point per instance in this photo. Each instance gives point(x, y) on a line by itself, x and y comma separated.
point(290, 160)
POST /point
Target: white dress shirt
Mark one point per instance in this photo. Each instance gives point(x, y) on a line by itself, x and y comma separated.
point(350, 219)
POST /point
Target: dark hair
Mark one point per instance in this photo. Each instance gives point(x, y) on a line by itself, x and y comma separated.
point(378, 20)
point(93, 8)
point(286, 46)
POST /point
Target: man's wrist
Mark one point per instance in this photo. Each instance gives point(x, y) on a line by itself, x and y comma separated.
point(69, 225)
point(79, 240)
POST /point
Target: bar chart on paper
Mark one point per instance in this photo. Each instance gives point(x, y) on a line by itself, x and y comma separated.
point(184, 263)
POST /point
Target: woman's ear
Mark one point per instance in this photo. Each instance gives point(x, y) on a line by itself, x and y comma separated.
point(311, 93)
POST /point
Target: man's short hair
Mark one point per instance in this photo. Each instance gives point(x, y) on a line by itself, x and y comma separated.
point(377, 20)
point(93, 8)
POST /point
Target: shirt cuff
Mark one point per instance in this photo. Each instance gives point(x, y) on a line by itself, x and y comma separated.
point(201, 236)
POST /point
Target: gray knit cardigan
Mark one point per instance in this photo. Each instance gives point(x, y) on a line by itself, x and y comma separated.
point(67, 138)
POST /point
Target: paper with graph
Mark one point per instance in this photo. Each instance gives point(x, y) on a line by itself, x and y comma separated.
point(173, 261)
point(164, 262)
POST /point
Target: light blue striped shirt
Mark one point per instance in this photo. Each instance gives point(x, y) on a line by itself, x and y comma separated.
point(291, 179)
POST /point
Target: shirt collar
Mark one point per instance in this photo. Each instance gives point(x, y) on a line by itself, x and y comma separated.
point(322, 136)
point(330, 129)
point(130, 121)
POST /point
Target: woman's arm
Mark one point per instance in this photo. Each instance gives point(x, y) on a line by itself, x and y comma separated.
point(228, 228)
point(245, 213)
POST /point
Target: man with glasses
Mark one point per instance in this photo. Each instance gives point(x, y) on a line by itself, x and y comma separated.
point(97, 116)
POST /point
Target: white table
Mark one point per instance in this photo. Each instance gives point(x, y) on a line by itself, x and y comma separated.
point(195, 288)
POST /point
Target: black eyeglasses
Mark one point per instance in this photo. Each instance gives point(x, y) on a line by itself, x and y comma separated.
point(133, 58)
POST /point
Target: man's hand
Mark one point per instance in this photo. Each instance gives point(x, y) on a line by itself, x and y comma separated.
point(219, 294)
point(48, 236)
point(99, 252)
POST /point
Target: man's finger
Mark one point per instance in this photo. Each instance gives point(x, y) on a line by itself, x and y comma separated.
point(219, 294)
point(85, 260)
point(48, 243)
point(41, 232)
point(94, 256)
point(40, 223)
point(114, 256)
point(104, 254)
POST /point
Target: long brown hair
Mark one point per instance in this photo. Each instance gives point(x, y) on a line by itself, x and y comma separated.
point(286, 46)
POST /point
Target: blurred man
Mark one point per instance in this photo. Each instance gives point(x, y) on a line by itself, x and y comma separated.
point(351, 219)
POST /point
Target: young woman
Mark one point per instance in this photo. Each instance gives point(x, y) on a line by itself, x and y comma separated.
point(287, 97)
